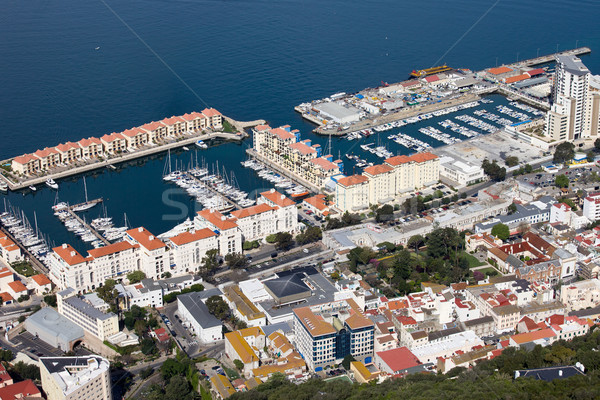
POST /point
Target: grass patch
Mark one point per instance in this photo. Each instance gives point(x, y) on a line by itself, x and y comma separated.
point(24, 268)
point(227, 127)
point(488, 271)
point(473, 261)
point(231, 373)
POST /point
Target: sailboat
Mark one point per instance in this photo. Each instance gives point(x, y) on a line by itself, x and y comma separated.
point(88, 204)
point(168, 174)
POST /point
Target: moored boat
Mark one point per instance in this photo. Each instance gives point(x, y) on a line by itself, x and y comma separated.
point(51, 183)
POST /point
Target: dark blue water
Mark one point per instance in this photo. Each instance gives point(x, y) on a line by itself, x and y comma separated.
point(249, 59)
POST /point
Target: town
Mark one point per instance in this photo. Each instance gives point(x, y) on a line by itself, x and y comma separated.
point(476, 256)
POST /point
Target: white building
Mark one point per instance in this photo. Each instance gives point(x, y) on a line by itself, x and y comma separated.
point(76, 378)
point(147, 293)
point(591, 206)
point(580, 295)
point(461, 172)
point(195, 314)
point(189, 248)
point(92, 320)
point(153, 254)
point(229, 235)
point(447, 346)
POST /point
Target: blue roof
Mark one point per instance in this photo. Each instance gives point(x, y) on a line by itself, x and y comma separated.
point(359, 96)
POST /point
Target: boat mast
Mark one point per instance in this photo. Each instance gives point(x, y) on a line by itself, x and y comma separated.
point(85, 189)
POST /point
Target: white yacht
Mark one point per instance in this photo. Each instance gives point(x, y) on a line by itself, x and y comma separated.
point(3, 186)
point(201, 144)
point(32, 188)
point(51, 183)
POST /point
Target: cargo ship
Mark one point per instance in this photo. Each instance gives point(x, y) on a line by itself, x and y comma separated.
point(430, 71)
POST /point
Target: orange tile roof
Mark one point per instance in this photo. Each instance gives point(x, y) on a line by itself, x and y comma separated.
point(17, 286)
point(6, 242)
point(152, 126)
point(133, 132)
point(217, 219)
point(262, 127)
point(378, 169)
point(283, 134)
point(352, 180)
point(4, 272)
point(172, 121)
point(241, 347)
point(46, 152)
point(69, 254)
point(531, 336)
point(89, 141)
point(313, 323)
point(277, 198)
point(111, 138)
point(67, 146)
point(146, 239)
point(210, 112)
point(41, 279)
point(323, 163)
point(25, 158)
point(302, 148)
point(517, 78)
point(192, 116)
point(249, 211)
point(317, 201)
point(499, 70)
point(20, 390)
point(110, 249)
point(189, 237)
point(6, 297)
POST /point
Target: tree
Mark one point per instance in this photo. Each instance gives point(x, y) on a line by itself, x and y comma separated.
point(148, 346)
point(501, 231)
point(347, 360)
point(238, 364)
point(493, 170)
point(415, 242)
point(172, 367)
point(597, 144)
point(6, 355)
point(146, 373)
point(590, 156)
point(272, 238)
point(166, 275)
point(561, 181)
point(50, 300)
point(136, 276)
point(26, 371)
point(217, 307)
point(512, 208)
point(109, 294)
point(310, 235)
point(384, 213)
point(236, 260)
point(511, 161)
point(564, 152)
point(210, 261)
point(285, 241)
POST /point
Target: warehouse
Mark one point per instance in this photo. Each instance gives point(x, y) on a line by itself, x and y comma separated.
point(54, 329)
point(338, 113)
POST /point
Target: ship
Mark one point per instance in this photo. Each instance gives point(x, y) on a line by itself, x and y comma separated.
point(430, 71)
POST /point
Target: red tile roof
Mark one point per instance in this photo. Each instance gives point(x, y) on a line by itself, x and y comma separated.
point(499, 70)
point(377, 169)
point(146, 239)
point(41, 279)
point(517, 78)
point(4, 272)
point(217, 219)
point(323, 163)
point(6, 297)
point(17, 287)
point(210, 112)
point(352, 180)
point(531, 336)
point(432, 78)
point(69, 254)
point(249, 211)
point(133, 132)
point(192, 116)
point(172, 121)
point(317, 201)
point(20, 390)
point(283, 134)
point(189, 237)
point(537, 71)
point(152, 126)
point(112, 137)
point(399, 359)
point(302, 148)
point(46, 152)
point(89, 141)
point(25, 158)
point(67, 146)
point(110, 249)
point(277, 198)
point(419, 157)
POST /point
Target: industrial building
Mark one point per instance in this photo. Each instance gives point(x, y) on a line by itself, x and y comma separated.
point(54, 329)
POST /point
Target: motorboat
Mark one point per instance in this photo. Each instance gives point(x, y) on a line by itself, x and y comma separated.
point(51, 183)
point(3, 186)
point(201, 144)
point(32, 188)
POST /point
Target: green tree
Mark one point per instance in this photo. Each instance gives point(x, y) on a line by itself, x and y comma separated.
point(172, 367)
point(285, 241)
point(590, 156)
point(493, 170)
point(512, 161)
point(109, 294)
point(210, 261)
point(415, 242)
point(148, 346)
point(384, 213)
point(501, 231)
point(512, 208)
point(236, 260)
point(561, 181)
point(50, 300)
point(564, 152)
point(6, 355)
point(136, 276)
point(310, 235)
point(238, 364)
point(346, 361)
point(597, 144)
point(26, 371)
point(217, 307)
point(146, 373)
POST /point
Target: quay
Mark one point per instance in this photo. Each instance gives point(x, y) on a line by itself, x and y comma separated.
point(550, 57)
point(85, 224)
point(295, 178)
point(399, 115)
point(213, 190)
point(36, 264)
point(119, 158)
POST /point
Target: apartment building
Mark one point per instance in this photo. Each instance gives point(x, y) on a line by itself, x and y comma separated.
point(153, 252)
point(326, 333)
point(116, 142)
point(580, 295)
point(92, 320)
point(189, 248)
point(229, 236)
point(76, 378)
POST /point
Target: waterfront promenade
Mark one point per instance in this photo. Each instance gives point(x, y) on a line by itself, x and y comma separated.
point(16, 183)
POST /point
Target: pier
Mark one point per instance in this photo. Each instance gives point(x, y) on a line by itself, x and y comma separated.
point(74, 169)
point(550, 57)
point(85, 224)
point(311, 187)
point(214, 191)
point(37, 264)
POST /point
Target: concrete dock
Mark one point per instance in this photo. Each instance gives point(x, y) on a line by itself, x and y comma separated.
point(63, 172)
point(85, 224)
point(214, 191)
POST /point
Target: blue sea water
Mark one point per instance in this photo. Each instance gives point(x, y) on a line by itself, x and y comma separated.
point(249, 59)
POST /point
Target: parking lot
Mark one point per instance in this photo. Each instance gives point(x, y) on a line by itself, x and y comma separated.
point(579, 179)
point(178, 331)
point(33, 346)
